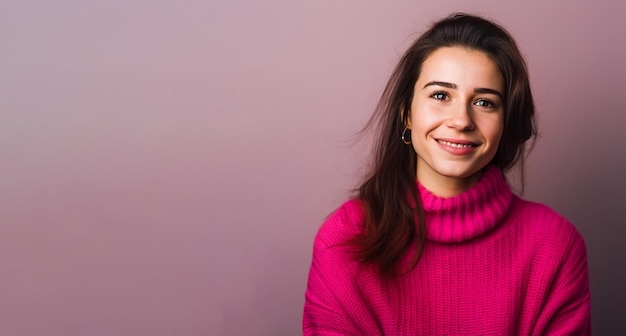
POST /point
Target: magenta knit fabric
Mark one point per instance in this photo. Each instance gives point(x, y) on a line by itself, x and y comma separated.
point(493, 264)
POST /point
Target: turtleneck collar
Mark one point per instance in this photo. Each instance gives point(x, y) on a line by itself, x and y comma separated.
point(469, 214)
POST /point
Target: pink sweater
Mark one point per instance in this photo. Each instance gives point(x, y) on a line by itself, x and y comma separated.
point(493, 264)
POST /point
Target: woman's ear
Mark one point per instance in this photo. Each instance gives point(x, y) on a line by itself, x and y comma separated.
point(407, 118)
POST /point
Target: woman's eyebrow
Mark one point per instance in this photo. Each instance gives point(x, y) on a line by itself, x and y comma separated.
point(488, 90)
point(444, 84)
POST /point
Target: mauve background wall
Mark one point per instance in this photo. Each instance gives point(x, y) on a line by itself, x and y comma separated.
point(166, 164)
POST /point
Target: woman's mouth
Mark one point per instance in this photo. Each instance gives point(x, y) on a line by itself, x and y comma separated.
point(457, 144)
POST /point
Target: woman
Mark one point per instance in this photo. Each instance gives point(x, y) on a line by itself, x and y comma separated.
point(435, 242)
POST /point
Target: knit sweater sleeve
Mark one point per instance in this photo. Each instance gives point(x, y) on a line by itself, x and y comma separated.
point(567, 310)
point(333, 304)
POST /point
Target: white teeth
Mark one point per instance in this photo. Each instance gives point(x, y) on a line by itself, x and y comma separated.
point(455, 145)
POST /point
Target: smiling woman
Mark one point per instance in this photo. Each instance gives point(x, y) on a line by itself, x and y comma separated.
point(435, 242)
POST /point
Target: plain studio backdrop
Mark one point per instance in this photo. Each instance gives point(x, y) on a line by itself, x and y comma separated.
point(165, 164)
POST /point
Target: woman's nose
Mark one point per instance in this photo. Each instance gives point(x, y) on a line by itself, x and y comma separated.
point(460, 117)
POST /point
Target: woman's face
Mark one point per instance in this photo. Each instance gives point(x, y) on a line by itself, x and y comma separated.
point(456, 118)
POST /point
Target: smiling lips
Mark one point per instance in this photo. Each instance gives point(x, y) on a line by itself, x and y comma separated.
point(457, 147)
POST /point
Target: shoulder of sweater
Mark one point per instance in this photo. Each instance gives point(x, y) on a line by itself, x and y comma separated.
point(552, 243)
point(343, 223)
point(544, 221)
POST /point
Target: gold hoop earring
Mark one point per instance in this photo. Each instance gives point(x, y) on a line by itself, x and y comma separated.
point(403, 136)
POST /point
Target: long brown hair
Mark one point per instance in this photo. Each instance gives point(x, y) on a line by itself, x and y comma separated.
point(393, 213)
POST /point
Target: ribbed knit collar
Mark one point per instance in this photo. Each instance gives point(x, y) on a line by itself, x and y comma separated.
point(470, 214)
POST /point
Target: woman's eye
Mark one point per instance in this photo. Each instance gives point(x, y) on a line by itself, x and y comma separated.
point(439, 95)
point(484, 103)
